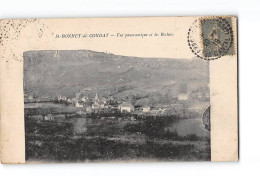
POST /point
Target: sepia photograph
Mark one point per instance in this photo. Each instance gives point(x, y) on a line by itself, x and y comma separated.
point(88, 106)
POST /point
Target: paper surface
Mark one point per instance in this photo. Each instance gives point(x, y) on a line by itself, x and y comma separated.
point(136, 47)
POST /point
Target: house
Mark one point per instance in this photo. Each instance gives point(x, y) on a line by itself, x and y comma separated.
point(83, 99)
point(30, 97)
point(156, 111)
point(88, 109)
point(133, 118)
point(161, 110)
point(48, 117)
point(146, 109)
point(126, 107)
point(182, 96)
point(78, 105)
point(94, 106)
point(38, 117)
point(69, 100)
point(62, 98)
point(182, 92)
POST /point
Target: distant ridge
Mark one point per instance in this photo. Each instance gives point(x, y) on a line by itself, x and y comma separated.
point(122, 77)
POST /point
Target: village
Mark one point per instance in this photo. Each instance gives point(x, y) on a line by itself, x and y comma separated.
point(84, 104)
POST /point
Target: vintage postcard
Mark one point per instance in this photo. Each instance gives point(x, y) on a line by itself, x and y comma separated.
point(141, 89)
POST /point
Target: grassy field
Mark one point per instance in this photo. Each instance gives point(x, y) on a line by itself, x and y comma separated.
point(104, 137)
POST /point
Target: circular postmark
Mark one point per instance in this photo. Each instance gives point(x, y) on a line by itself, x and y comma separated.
point(210, 38)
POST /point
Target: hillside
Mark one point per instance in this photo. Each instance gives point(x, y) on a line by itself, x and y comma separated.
point(65, 73)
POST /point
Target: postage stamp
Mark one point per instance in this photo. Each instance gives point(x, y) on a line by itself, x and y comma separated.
point(217, 36)
point(210, 38)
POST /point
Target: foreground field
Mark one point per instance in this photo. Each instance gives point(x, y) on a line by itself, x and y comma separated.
point(117, 138)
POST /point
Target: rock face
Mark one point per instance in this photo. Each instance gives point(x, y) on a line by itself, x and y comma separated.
point(145, 80)
point(206, 119)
